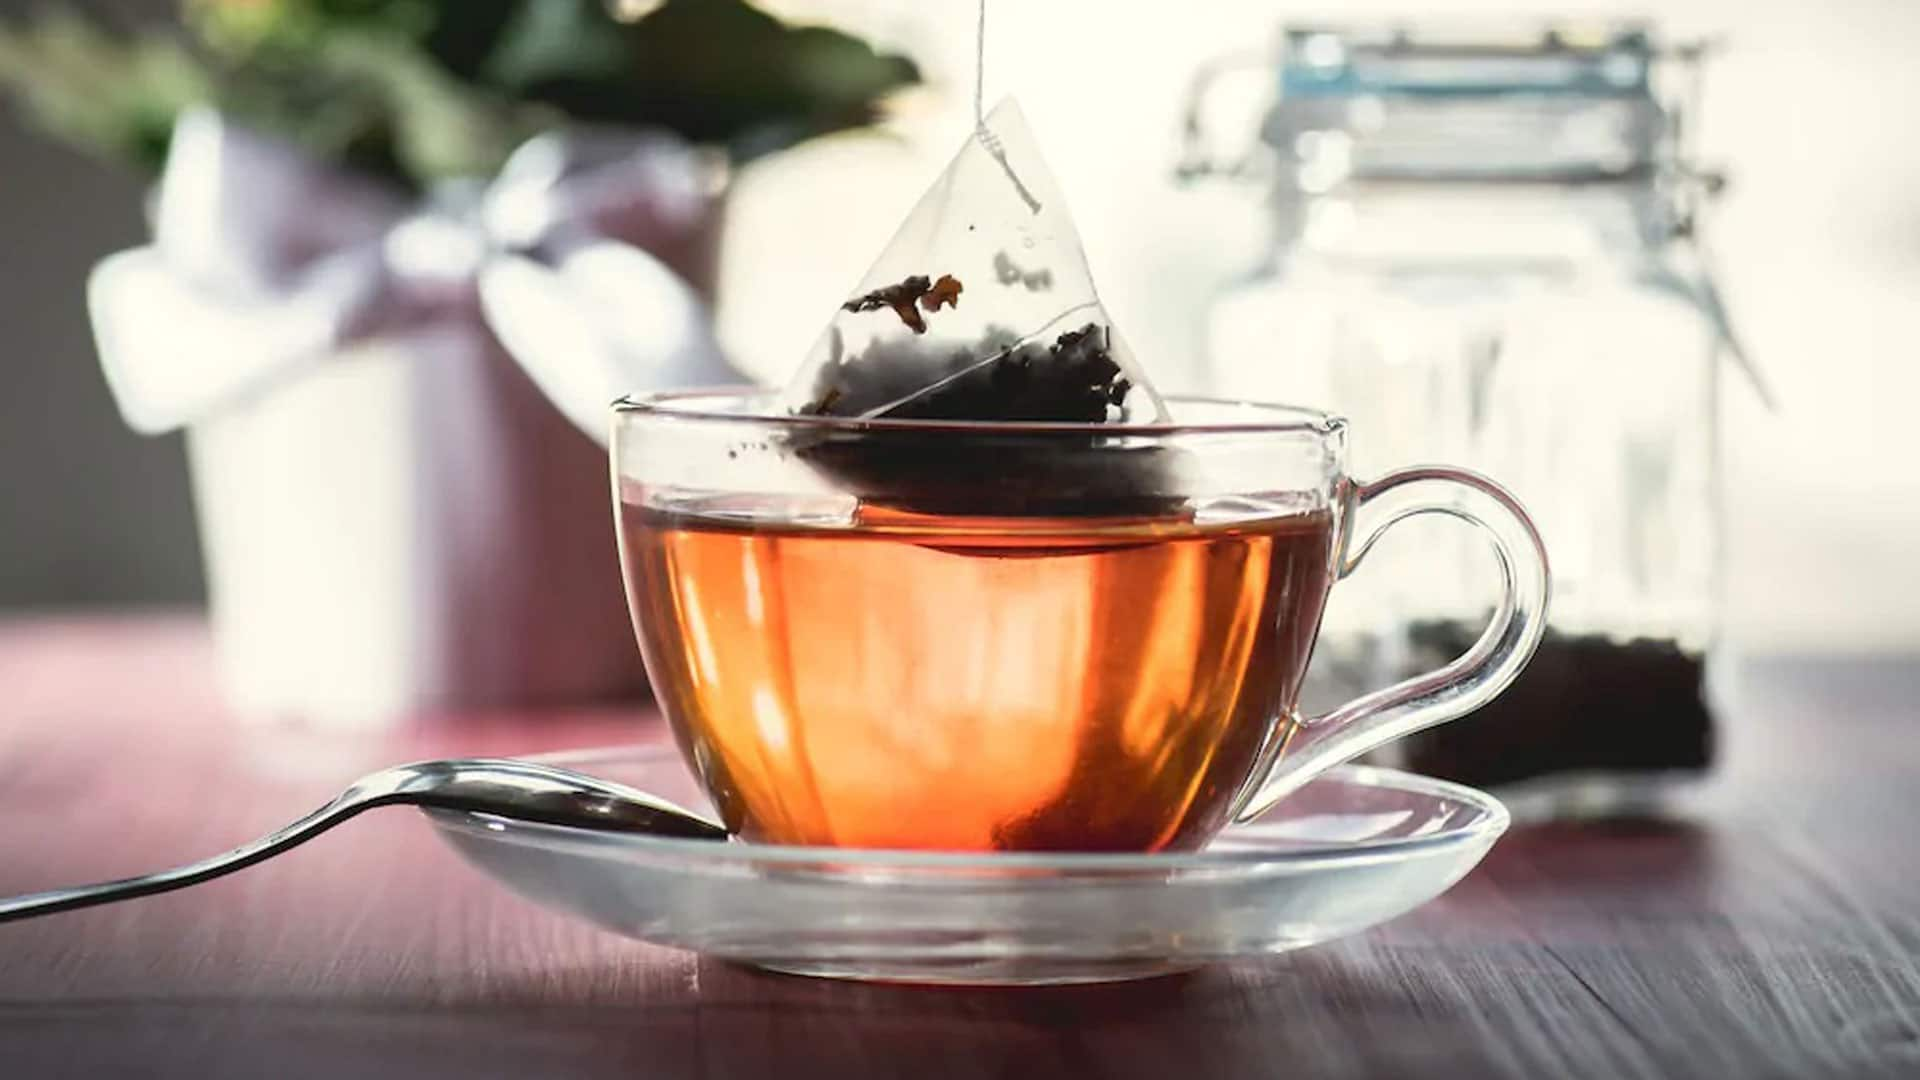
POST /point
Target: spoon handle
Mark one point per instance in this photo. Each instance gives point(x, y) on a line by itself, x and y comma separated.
point(106, 892)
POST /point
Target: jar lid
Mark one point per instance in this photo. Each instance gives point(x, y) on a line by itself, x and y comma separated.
point(1542, 101)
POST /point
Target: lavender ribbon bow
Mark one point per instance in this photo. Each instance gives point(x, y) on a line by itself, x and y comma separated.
point(265, 262)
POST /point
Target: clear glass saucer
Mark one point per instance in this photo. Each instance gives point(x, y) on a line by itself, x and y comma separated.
point(1351, 849)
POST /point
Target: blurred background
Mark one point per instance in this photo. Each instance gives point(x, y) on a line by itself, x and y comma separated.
point(1817, 237)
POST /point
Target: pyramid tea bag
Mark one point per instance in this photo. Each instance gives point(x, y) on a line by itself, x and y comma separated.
point(980, 308)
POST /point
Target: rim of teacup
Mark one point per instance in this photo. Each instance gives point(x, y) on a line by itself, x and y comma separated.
point(702, 404)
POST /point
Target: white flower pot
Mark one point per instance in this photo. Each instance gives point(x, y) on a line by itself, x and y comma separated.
point(409, 526)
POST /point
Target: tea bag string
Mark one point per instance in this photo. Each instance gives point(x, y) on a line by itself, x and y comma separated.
point(988, 140)
point(980, 74)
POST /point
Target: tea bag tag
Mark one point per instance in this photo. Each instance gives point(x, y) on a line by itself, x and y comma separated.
point(981, 307)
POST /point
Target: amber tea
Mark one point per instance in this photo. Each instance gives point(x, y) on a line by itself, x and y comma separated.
point(965, 683)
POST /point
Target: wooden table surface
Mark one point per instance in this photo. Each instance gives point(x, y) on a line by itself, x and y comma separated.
point(1769, 929)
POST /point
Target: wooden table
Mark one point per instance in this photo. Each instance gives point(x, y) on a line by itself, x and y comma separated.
point(1770, 930)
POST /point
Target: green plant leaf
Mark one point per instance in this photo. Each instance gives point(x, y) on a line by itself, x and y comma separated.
point(459, 34)
point(558, 40)
point(441, 128)
point(112, 96)
point(720, 71)
point(425, 90)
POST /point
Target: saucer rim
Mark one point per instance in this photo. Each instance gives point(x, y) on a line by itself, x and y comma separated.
point(1492, 821)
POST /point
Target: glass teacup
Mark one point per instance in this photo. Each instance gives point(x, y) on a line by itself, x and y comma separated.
point(1019, 636)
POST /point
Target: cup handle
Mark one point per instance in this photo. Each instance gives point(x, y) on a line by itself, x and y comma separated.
point(1470, 681)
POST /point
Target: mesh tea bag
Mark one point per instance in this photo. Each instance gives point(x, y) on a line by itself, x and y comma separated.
point(980, 308)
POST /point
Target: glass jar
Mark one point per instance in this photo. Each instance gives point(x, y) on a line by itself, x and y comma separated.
point(1484, 248)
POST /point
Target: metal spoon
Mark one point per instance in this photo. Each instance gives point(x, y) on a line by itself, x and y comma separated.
point(522, 790)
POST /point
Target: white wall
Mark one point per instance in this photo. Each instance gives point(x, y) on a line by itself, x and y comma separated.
point(1811, 107)
point(90, 513)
